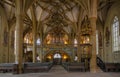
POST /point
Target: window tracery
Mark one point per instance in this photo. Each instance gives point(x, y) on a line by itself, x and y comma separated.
point(116, 34)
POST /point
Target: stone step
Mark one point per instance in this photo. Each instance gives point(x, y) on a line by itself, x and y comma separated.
point(57, 69)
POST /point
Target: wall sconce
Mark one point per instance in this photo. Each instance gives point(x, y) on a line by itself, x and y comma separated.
point(49, 57)
point(65, 57)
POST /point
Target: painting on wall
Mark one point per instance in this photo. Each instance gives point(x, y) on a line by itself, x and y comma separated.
point(107, 34)
point(5, 37)
point(100, 39)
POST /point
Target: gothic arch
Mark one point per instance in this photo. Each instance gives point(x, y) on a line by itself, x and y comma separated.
point(4, 32)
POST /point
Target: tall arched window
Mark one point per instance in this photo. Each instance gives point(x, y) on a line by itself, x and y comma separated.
point(115, 34)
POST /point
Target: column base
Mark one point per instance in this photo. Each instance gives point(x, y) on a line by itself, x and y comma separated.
point(93, 70)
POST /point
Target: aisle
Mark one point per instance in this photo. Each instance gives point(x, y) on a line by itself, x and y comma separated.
point(57, 69)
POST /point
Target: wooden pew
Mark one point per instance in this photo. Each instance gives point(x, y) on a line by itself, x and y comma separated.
point(108, 67)
point(117, 67)
point(74, 67)
point(6, 67)
point(37, 67)
point(112, 67)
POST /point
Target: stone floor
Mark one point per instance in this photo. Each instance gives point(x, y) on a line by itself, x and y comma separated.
point(58, 71)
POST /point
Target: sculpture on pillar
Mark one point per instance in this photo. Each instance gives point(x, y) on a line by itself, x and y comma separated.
point(107, 34)
point(12, 39)
point(100, 39)
point(5, 38)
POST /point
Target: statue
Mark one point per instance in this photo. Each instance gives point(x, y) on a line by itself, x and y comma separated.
point(100, 39)
point(107, 34)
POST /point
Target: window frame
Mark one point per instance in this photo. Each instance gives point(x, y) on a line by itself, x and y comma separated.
point(115, 34)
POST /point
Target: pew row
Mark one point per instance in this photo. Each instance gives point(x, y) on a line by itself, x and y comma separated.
point(73, 67)
point(26, 67)
point(37, 67)
point(6, 67)
point(112, 67)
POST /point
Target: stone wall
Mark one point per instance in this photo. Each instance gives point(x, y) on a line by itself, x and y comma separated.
point(108, 53)
point(100, 40)
point(6, 53)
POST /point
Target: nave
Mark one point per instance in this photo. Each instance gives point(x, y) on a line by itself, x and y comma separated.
point(79, 35)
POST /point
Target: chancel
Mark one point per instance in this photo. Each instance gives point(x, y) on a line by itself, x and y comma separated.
point(75, 35)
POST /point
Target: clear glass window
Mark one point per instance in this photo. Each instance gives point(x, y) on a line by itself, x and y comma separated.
point(115, 34)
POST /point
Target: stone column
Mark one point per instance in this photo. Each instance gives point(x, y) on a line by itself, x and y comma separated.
point(19, 35)
point(8, 58)
point(34, 45)
point(73, 53)
point(34, 33)
point(93, 18)
point(93, 40)
point(41, 50)
point(78, 49)
point(42, 45)
point(72, 47)
point(40, 54)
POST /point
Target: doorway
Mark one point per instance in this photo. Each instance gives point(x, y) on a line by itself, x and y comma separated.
point(57, 59)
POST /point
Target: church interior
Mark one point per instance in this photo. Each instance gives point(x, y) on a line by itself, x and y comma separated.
point(77, 35)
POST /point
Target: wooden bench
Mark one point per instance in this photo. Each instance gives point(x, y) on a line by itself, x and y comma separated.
point(6, 67)
point(36, 67)
point(117, 67)
point(74, 67)
point(112, 67)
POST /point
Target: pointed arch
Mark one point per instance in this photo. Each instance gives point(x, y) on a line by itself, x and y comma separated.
point(115, 34)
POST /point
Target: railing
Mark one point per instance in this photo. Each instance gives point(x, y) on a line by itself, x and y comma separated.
point(100, 63)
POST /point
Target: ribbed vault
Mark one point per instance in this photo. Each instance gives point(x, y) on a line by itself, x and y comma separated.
point(49, 14)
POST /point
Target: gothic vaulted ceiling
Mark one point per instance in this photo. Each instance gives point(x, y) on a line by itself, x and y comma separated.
point(65, 15)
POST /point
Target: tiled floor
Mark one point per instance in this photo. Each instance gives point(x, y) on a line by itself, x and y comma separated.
point(58, 71)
